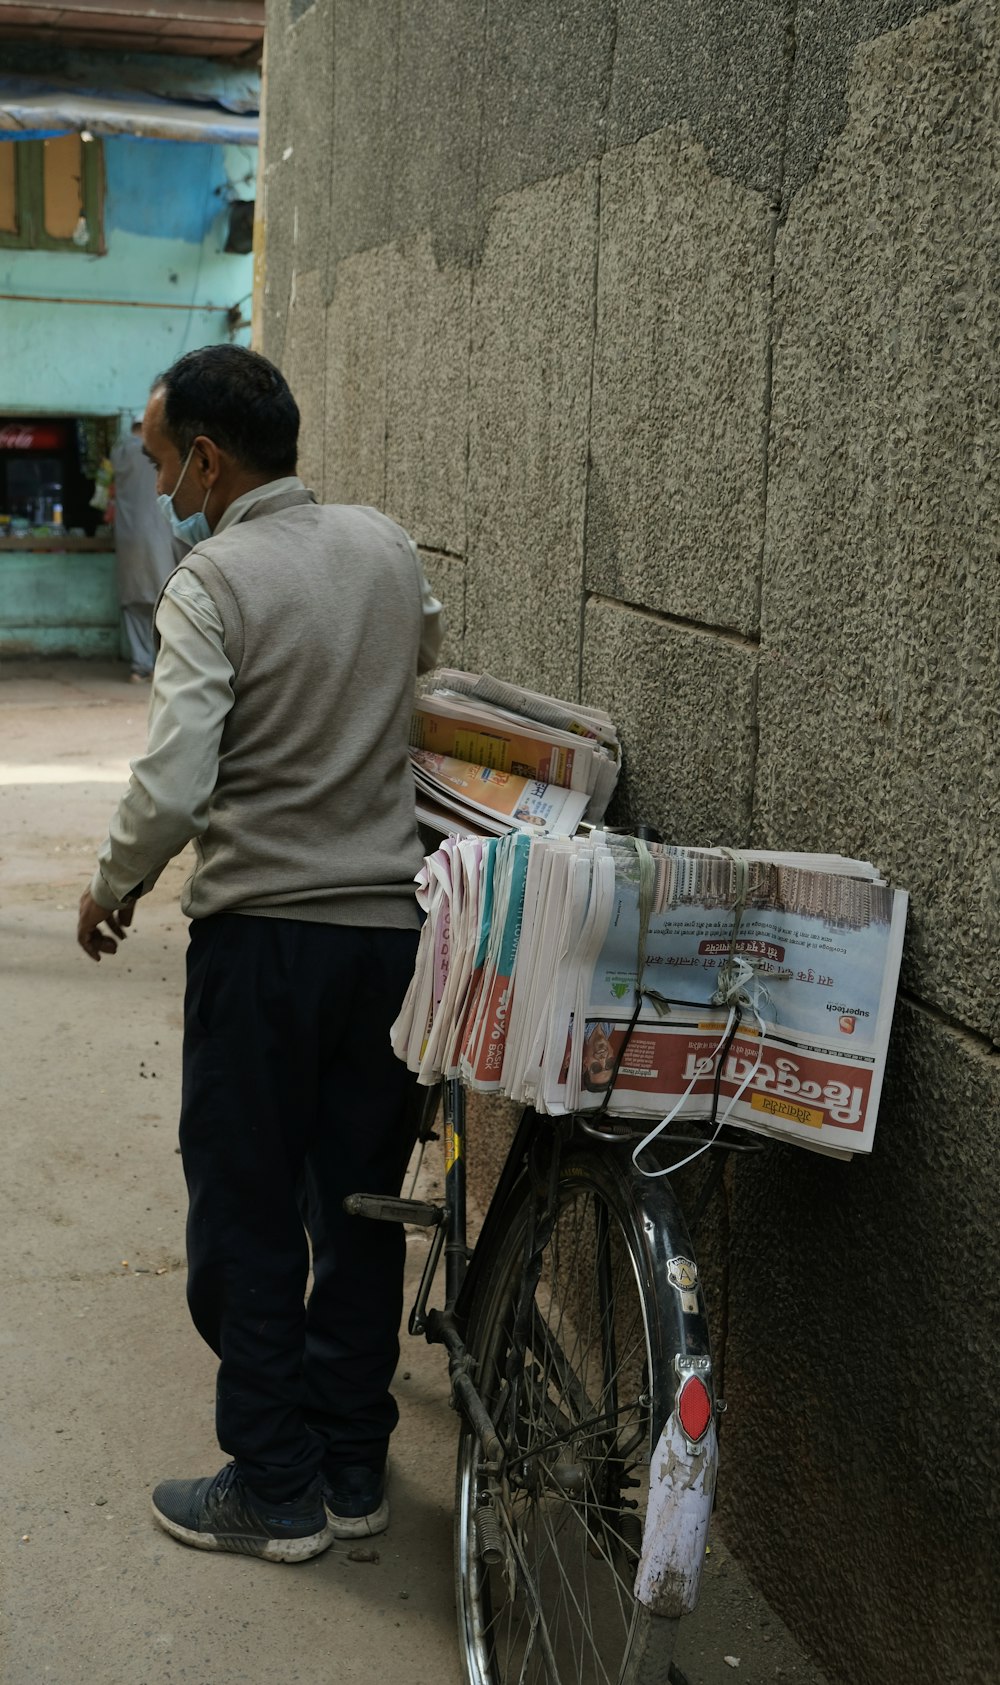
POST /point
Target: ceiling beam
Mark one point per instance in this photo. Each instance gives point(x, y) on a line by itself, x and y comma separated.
point(207, 14)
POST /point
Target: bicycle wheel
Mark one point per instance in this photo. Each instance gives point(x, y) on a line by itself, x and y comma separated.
point(546, 1554)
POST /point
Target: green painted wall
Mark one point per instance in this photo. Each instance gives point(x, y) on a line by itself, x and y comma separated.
point(59, 604)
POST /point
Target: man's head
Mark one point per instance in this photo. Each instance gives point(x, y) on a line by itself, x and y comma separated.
point(218, 423)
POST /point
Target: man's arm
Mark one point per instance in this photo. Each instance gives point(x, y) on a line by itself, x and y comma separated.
point(167, 800)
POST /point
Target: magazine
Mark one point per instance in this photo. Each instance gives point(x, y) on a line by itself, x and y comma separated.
point(447, 726)
point(497, 801)
point(519, 745)
point(576, 717)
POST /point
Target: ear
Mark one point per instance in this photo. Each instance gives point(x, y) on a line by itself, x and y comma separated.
point(207, 460)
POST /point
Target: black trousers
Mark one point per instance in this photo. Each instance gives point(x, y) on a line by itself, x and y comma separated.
point(292, 1098)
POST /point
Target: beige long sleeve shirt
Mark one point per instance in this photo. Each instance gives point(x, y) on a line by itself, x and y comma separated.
point(170, 791)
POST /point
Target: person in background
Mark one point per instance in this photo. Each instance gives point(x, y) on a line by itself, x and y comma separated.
point(144, 547)
point(291, 636)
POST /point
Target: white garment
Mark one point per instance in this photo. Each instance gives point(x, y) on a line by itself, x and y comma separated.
point(143, 541)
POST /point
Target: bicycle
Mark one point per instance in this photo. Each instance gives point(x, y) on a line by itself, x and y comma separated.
point(580, 1362)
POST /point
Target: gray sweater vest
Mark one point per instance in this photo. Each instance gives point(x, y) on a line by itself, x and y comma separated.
point(313, 813)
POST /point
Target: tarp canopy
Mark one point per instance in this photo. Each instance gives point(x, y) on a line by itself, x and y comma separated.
point(31, 69)
point(32, 113)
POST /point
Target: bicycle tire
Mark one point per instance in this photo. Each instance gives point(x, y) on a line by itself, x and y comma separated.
point(595, 1388)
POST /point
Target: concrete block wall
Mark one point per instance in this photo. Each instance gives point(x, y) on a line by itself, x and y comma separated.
point(671, 334)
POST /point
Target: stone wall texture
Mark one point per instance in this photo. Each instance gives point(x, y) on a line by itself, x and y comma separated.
point(671, 333)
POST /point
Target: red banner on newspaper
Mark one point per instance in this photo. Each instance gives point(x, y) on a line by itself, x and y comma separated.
point(792, 1087)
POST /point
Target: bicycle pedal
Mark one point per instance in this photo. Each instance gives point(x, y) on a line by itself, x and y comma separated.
point(382, 1208)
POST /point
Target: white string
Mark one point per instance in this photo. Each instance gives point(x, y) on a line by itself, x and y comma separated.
point(734, 993)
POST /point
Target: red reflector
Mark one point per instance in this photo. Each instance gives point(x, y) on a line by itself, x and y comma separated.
point(694, 1407)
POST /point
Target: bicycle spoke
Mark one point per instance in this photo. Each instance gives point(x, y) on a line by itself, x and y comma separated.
point(554, 1352)
point(539, 1624)
point(555, 1557)
point(522, 1677)
point(617, 1580)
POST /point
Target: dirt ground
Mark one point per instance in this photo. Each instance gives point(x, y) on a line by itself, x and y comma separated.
point(105, 1387)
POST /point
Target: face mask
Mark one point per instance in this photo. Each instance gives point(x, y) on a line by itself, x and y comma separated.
point(195, 528)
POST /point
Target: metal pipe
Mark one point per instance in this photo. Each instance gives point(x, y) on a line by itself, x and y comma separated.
point(441, 1331)
point(259, 231)
point(481, 1422)
point(456, 1251)
point(116, 303)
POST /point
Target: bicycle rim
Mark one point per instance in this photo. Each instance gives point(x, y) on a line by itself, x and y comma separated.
point(546, 1575)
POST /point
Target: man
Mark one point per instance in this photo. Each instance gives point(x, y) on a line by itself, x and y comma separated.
point(144, 549)
point(291, 636)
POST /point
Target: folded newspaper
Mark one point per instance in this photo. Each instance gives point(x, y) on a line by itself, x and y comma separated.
point(600, 973)
point(490, 758)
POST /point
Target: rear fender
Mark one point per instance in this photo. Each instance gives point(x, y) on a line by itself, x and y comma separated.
point(681, 1471)
point(681, 1490)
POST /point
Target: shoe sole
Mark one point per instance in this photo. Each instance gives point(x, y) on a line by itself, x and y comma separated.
point(269, 1550)
point(359, 1526)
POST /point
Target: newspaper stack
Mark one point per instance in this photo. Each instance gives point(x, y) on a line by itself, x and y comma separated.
point(601, 973)
point(490, 758)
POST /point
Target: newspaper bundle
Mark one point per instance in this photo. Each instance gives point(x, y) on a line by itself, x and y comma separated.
point(491, 758)
point(604, 974)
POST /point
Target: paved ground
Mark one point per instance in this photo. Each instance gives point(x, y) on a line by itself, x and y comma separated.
point(105, 1387)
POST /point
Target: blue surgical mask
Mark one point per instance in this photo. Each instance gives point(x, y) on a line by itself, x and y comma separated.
point(195, 528)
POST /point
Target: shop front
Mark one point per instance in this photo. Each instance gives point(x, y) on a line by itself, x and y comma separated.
point(127, 187)
point(57, 563)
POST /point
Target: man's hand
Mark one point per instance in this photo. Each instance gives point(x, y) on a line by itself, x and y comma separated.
point(91, 938)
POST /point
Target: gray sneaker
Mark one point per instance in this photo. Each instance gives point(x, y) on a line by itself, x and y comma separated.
point(355, 1500)
point(221, 1513)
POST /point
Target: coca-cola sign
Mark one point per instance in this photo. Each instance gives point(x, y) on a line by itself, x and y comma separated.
point(33, 435)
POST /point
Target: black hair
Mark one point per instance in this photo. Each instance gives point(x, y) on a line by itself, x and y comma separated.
point(239, 400)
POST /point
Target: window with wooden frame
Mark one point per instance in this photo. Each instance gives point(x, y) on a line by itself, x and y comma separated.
point(51, 194)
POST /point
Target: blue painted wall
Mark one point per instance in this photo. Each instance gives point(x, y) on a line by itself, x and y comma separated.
point(165, 225)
